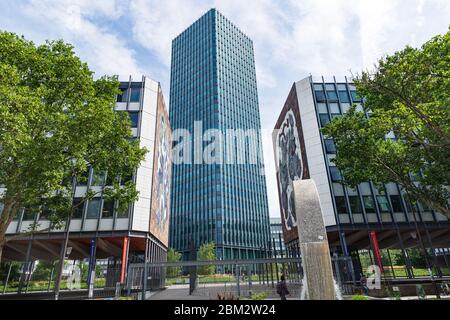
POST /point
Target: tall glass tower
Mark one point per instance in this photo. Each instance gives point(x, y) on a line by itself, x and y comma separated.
point(213, 82)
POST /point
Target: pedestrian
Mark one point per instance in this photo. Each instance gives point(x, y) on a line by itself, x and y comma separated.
point(282, 289)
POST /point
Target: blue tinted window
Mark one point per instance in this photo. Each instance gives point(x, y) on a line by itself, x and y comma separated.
point(369, 204)
point(355, 96)
point(324, 119)
point(332, 95)
point(383, 203)
point(330, 146)
point(343, 96)
point(335, 174)
point(135, 94)
point(320, 96)
point(123, 95)
point(134, 117)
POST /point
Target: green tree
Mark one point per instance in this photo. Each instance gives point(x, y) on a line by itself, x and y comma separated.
point(415, 255)
point(207, 252)
point(14, 273)
point(57, 121)
point(407, 95)
point(43, 271)
point(173, 256)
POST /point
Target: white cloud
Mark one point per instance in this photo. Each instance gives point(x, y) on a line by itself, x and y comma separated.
point(75, 22)
point(156, 23)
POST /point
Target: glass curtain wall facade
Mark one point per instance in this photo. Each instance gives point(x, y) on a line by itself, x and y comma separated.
point(213, 81)
point(277, 238)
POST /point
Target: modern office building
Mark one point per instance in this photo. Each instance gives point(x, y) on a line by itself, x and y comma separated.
point(98, 226)
point(355, 219)
point(277, 237)
point(213, 86)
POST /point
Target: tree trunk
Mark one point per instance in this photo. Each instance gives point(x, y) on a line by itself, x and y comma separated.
point(9, 211)
point(2, 244)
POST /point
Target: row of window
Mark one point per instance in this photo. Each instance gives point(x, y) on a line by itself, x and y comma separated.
point(133, 93)
point(100, 179)
point(92, 210)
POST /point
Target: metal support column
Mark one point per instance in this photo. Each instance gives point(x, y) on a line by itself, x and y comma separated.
point(7, 277)
point(26, 267)
point(276, 256)
point(390, 262)
point(145, 272)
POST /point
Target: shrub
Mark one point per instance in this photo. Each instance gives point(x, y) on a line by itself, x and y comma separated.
point(359, 297)
point(259, 296)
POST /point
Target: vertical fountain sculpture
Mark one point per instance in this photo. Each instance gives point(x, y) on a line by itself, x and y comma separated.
point(318, 282)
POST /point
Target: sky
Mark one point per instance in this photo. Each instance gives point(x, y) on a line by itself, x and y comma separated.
point(292, 38)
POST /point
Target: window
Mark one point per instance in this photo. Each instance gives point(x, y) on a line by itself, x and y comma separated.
point(324, 119)
point(334, 108)
point(78, 208)
point(135, 94)
point(98, 178)
point(332, 95)
point(330, 146)
point(322, 108)
point(355, 204)
point(93, 209)
point(318, 87)
point(383, 203)
point(320, 96)
point(28, 214)
point(369, 204)
point(343, 96)
point(123, 95)
point(355, 96)
point(396, 203)
point(122, 212)
point(134, 118)
point(335, 174)
point(345, 107)
point(108, 209)
point(340, 205)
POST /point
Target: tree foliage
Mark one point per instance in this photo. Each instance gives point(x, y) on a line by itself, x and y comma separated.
point(173, 256)
point(207, 252)
point(56, 121)
point(408, 95)
point(415, 255)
